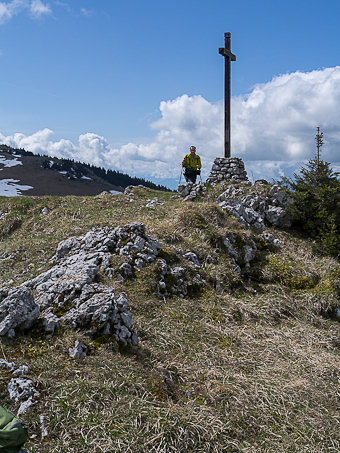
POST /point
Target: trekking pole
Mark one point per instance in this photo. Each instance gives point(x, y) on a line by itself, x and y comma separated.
point(180, 176)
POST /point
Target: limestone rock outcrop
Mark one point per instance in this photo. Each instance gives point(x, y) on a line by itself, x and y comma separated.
point(255, 208)
point(68, 292)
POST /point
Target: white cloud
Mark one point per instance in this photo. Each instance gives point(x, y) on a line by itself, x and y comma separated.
point(41, 143)
point(38, 9)
point(9, 9)
point(277, 120)
point(273, 129)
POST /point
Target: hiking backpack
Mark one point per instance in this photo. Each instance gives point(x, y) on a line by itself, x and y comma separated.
point(13, 433)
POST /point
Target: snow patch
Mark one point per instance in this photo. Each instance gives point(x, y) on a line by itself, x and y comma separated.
point(9, 163)
point(10, 188)
point(86, 177)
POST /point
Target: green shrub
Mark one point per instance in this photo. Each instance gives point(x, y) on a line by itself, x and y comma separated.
point(316, 207)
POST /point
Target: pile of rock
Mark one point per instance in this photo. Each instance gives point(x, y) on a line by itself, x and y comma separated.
point(191, 191)
point(227, 169)
point(254, 208)
point(21, 389)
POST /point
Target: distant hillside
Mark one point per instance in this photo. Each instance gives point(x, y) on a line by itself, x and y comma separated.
point(23, 171)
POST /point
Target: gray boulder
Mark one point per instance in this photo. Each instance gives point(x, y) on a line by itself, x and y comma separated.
point(184, 189)
point(192, 257)
point(254, 208)
point(277, 195)
point(8, 366)
point(21, 371)
point(99, 311)
point(50, 322)
point(79, 350)
point(64, 247)
point(172, 280)
point(22, 390)
point(18, 311)
point(191, 191)
point(12, 367)
point(60, 284)
point(249, 252)
point(277, 216)
point(247, 215)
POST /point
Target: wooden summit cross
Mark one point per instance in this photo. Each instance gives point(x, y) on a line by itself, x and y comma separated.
point(228, 56)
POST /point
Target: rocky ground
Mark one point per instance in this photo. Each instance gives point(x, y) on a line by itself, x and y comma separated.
point(154, 322)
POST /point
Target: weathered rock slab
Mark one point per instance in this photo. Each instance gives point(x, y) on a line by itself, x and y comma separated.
point(18, 311)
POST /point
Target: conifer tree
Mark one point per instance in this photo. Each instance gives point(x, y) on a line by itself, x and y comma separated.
point(316, 207)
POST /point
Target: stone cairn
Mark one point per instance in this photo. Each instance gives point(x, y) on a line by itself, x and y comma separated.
point(227, 169)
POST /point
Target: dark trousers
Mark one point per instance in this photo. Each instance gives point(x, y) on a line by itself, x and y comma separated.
point(190, 175)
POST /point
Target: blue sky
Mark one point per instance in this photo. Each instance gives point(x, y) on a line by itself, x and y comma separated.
point(131, 84)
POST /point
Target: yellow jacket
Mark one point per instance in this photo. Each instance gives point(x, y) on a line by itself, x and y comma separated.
point(191, 163)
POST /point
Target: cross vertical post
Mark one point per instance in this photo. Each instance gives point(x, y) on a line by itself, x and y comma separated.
point(228, 57)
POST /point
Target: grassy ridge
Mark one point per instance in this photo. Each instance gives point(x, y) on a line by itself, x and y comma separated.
point(248, 364)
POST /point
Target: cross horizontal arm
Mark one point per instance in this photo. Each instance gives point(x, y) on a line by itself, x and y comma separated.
point(226, 53)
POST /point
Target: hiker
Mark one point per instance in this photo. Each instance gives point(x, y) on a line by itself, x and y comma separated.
point(192, 165)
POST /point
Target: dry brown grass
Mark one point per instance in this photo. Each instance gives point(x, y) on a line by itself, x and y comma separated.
point(251, 368)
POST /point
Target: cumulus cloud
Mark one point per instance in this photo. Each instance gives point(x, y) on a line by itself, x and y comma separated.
point(273, 129)
point(9, 9)
point(275, 120)
point(41, 142)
